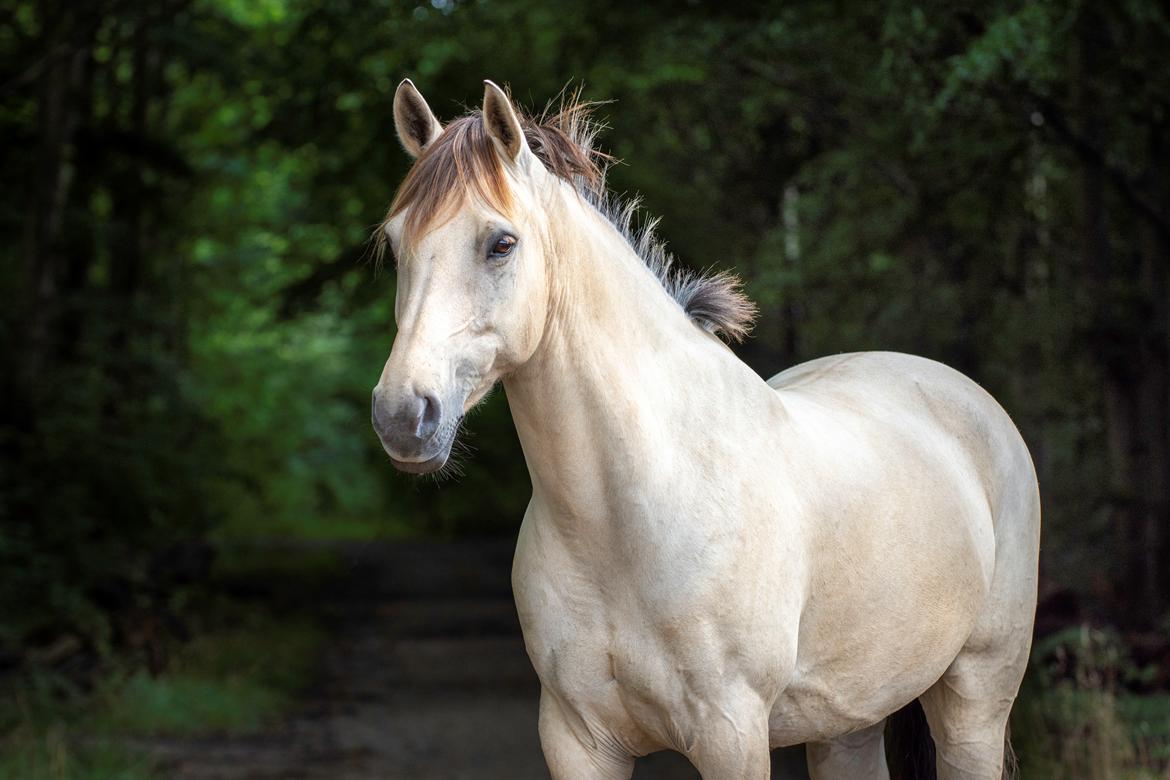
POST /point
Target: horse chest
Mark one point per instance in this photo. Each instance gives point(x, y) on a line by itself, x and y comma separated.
point(636, 658)
point(623, 677)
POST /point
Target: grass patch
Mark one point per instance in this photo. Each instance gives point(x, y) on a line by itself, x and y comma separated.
point(1070, 733)
point(188, 705)
point(235, 680)
point(50, 755)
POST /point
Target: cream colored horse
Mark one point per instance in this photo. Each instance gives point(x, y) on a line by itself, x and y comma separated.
point(710, 563)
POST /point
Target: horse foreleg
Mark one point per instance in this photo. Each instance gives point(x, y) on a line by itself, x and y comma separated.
point(860, 755)
point(733, 744)
point(576, 754)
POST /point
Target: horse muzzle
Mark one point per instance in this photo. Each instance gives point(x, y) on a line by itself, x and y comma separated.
point(411, 430)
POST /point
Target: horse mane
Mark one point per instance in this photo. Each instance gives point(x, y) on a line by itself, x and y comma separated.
point(463, 159)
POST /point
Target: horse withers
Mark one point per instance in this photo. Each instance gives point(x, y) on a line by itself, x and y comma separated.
point(710, 563)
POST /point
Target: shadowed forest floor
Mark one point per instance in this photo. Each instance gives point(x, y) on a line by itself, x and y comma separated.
point(424, 676)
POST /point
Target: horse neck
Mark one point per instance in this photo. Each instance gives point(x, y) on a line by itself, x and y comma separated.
point(613, 377)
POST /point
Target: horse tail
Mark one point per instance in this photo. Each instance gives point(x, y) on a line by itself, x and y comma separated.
point(909, 746)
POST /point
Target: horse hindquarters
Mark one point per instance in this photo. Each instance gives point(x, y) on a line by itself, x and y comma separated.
point(968, 708)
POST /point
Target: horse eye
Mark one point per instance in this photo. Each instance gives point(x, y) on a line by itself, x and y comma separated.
point(503, 246)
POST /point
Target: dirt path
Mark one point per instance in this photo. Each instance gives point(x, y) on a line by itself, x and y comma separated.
point(426, 679)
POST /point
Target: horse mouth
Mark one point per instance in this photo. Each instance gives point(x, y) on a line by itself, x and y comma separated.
point(421, 466)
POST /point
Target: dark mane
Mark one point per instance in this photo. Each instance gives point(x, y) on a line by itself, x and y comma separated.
point(463, 159)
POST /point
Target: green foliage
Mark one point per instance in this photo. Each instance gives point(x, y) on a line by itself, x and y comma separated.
point(49, 756)
point(1075, 717)
point(236, 676)
point(234, 680)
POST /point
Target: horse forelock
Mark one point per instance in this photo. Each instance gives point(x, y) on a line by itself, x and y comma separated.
point(463, 162)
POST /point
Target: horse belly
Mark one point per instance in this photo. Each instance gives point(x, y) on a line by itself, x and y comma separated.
point(888, 608)
point(827, 698)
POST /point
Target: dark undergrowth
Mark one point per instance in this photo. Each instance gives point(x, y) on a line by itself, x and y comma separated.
point(242, 649)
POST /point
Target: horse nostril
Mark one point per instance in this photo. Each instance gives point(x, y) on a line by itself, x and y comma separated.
point(407, 424)
point(374, 416)
point(432, 412)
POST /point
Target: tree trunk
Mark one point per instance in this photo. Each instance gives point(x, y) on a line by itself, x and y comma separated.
point(1130, 322)
point(1154, 399)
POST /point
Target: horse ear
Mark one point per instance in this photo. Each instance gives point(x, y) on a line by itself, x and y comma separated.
point(501, 122)
point(413, 120)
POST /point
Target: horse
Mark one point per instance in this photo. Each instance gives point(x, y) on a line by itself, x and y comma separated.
point(710, 563)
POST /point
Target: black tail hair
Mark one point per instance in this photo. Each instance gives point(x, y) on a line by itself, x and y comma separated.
point(909, 746)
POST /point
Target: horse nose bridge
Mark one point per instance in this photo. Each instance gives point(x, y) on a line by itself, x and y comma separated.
point(416, 363)
point(401, 363)
point(417, 294)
